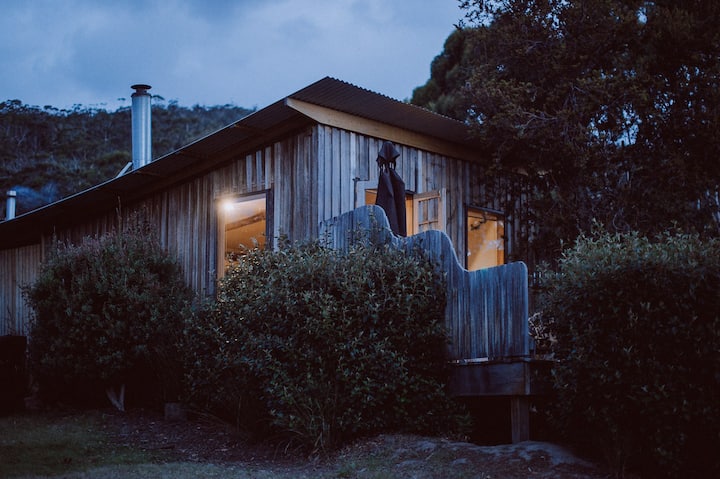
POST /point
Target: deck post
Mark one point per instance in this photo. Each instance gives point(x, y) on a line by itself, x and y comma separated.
point(520, 418)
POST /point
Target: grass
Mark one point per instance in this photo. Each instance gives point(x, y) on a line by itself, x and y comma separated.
point(76, 446)
point(85, 446)
point(47, 445)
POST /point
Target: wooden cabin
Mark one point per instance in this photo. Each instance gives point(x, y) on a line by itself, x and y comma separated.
point(281, 172)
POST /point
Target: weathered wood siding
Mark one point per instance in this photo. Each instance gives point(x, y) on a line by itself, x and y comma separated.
point(186, 215)
point(18, 267)
point(487, 310)
point(347, 164)
point(311, 175)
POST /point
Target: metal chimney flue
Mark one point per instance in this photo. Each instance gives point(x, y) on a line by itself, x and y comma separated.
point(10, 206)
point(141, 132)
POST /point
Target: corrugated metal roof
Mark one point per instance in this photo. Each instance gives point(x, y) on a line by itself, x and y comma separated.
point(348, 98)
point(246, 133)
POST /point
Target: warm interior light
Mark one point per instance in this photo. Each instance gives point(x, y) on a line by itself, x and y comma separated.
point(243, 225)
point(228, 206)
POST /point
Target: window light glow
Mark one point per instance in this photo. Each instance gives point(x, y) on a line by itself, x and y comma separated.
point(227, 206)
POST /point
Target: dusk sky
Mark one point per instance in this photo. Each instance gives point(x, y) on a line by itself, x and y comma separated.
point(249, 53)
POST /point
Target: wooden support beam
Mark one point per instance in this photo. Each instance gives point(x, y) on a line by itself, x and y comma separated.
point(521, 377)
point(518, 380)
point(520, 418)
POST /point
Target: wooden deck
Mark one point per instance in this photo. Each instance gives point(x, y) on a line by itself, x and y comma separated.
point(517, 379)
point(486, 316)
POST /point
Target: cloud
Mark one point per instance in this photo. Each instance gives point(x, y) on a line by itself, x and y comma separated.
point(249, 53)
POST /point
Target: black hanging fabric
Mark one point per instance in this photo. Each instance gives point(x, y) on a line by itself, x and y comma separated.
point(391, 189)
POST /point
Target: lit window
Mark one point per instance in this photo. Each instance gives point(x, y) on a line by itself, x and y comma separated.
point(485, 239)
point(243, 226)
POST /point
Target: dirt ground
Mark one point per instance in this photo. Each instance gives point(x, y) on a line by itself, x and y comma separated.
point(204, 440)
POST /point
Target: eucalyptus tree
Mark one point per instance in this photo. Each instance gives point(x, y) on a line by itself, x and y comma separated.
point(48, 153)
point(611, 107)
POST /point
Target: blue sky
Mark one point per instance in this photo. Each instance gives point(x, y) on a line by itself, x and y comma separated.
point(212, 52)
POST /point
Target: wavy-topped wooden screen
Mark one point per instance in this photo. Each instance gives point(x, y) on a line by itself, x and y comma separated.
point(487, 310)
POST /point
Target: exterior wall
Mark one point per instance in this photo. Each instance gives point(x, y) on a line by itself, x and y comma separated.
point(295, 187)
point(186, 215)
point(18, 267)
point(312, 175)
point(342, 183)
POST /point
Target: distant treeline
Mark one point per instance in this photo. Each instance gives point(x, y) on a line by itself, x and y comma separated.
point(47, 154)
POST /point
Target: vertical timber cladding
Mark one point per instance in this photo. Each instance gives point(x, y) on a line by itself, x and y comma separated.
point(186, 220)
point(313, 175)
point(295, 186)
point(345, 158)
point(185, 215)
point(339, 153)
point(18, 268)
point(506, 193)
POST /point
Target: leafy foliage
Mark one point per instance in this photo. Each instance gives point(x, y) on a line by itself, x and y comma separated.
point(47, 154)
point(637, 329)
point(320, 347)
point(106, 312)
point(449, 72)
point(611, 106)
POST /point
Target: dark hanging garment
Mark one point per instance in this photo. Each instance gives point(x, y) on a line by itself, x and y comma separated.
point(386, 199)
point(391, 189)
point(398, 186)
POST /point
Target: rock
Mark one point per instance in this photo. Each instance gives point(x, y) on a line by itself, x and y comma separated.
point(409, 464)
point(426, 447)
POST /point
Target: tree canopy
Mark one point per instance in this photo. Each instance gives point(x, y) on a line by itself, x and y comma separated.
point(612, 107)
point(47, 153)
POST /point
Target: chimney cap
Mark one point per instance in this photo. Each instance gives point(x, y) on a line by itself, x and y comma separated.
point(141, 88)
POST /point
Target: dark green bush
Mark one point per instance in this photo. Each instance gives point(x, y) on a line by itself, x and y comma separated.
point(108, 312)
point(320, 347)
point(637, 324)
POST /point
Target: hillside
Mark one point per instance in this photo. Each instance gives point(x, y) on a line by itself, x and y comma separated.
point(47, 154)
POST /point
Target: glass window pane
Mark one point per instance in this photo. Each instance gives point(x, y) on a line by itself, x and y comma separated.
point(243, 226)
point(485, 239)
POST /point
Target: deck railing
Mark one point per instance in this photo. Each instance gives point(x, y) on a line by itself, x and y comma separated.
point(487, 310)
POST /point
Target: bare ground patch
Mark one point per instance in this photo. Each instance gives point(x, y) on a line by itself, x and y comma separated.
point(209, 448)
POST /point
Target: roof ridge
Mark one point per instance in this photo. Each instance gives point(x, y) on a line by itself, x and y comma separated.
point(329, 80)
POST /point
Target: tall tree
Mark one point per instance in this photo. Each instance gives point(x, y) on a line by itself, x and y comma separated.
point(611, 106)
point(449, 72)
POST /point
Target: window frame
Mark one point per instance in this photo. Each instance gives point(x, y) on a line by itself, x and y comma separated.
point(440, 195)
point(499, 215)
point(222, 221)
point(414, 200)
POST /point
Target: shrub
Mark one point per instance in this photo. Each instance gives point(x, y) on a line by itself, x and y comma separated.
point(320, 347)
point(637, 325)
point(107, 313)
